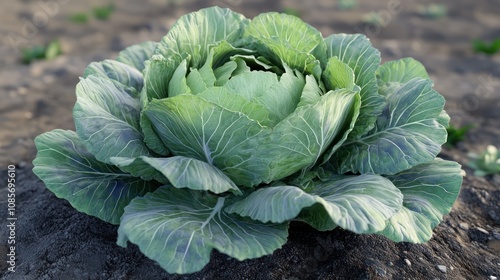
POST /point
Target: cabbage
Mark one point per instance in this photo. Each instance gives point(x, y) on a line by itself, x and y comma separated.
point(228, 129)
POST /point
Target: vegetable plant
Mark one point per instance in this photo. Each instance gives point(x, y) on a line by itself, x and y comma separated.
point(51, 51)
point(103, 12)
point(228, 129)
point(79, 18)
point(345, 5)
point(486, 163)
point(456, 134)
point(433, 11)
point(488, 48)
point(373, 19)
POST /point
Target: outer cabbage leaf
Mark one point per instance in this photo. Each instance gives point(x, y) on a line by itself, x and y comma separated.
point(246, 84)
point(429, 191)
point(90, 186)
point(181, 172)
point(357, 52)
point(179, 228)
point(118, 72)
point(107, 119)
point(361, 204)
point(139, 168)
point(136, 55)
point(151, 139)
point(392, 74)
point(201, 79)
point(401, 71)
point(406, 134)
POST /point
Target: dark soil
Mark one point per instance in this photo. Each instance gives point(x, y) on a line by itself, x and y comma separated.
point(54, 241)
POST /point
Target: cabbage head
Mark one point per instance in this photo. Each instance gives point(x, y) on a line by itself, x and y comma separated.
point(228, 129)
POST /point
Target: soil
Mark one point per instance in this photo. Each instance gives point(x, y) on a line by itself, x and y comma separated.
point(57, 242)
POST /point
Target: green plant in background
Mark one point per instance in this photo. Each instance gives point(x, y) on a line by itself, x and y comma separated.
point(80, 18)
point(487, 163)
point(228, 129)
point(345, 5)
point(291, 11)
point(372, 18)
point(52, 50)
point(33, 53)
point(103, 12)
point(456, 134)
point(100, 13)
point(433, 11)
point(489, 48)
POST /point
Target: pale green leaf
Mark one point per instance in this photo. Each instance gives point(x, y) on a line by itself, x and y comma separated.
point(224, 51)
point(224, 72)
point(178, 83)
point(358, 203)
point(391, 75)
point(179, 228)
point(157, 75)
point(241, 66)
point(299, 140)
point(337, 75)
point(281, 99)
point(406, 134)
point(90, 186)
point(195, 81)
point(118, 72)
point(275, 204)
point(246, 86)
point(193, 127)
point(357, 52)
point(444, 119)
point(236, 103)
point(139, 168)
point(136, 55)
point(107, 119)
point(259, 63)
point(361, 203)
point(195, 32)
point(429, 191)
point(183, 172)
point(285, 38)
point(401, 71)
point(311, 92)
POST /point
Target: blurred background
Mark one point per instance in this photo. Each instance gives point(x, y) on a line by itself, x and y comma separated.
point(46, 44)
